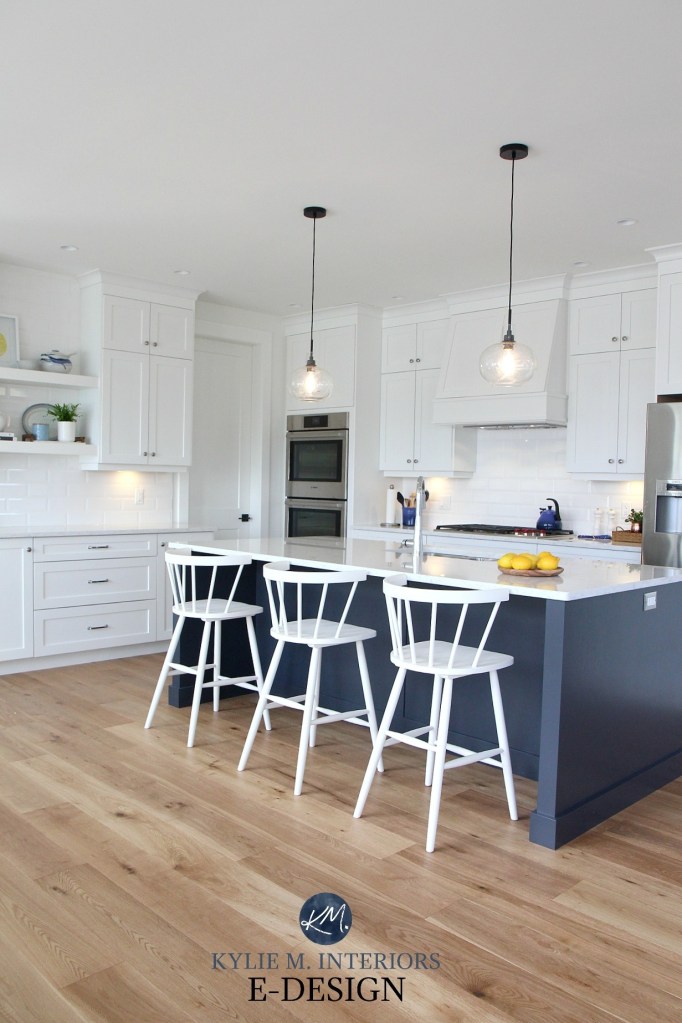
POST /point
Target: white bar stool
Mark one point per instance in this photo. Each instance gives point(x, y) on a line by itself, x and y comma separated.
point(317, 633)
point(445, 661)
point(217, 607)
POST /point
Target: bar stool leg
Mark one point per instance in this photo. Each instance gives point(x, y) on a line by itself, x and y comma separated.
point(257, 669)
point(438, 766)
point(260, 707)
point(308, 708)
point(503, 743)
point(217, 638)
point(199, 683)
point(312, 737)
point(369, 699)
point(375, 757)
point(164, 671)
point(433, 728)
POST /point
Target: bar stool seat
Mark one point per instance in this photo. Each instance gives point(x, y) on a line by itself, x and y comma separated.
point(216, 607)
point(286, 590)
point(445, 661)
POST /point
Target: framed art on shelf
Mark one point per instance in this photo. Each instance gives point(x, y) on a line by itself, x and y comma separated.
point(9, 341)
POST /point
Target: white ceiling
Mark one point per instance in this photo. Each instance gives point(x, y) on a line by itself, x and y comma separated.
point(162, 134)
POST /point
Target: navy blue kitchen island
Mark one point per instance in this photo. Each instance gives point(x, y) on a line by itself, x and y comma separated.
point(593, 701)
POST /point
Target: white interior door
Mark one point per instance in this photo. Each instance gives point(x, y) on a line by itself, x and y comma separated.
point(220, 475)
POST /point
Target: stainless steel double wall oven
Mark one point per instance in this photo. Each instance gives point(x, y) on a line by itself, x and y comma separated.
point(317, 475)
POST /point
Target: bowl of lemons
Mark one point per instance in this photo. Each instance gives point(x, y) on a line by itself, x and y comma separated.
point(544, 563)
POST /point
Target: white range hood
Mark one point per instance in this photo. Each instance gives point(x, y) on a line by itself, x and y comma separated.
point(464, 398)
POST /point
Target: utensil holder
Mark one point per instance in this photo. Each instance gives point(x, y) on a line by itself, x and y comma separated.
point(408, 516)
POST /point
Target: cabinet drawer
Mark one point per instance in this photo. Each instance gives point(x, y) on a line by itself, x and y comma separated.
point(114, 545)
point(68, 629)
point(68, 584)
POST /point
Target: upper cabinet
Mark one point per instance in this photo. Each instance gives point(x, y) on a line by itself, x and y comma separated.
point(133, 325)
point(414, 346)
point(411, 443)
point(334, 351)
point(605, 323)
point(142, 346)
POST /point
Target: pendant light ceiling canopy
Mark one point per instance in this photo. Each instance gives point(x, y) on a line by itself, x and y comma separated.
point(509, 362)
point(310, 382)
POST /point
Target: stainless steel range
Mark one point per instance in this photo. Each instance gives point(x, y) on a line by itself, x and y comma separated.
point(492, 530)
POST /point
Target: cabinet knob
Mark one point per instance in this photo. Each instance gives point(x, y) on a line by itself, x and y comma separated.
point(611, 461)
point(153, 454)
point(145, 453)
point(624, 337)
point(28, 550)
point(416, 461)
point(155, 344)
point(411, 360)
point(417, 360)
point(614, 338)
point(147, 342)
point(620, 461)
point(409, 461)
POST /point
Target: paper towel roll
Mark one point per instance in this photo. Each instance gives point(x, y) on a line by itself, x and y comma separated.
point(390, 506)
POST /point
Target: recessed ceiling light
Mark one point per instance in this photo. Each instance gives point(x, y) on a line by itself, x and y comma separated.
point(397, 298)
point(627, 222)
point(182, 273)
point(294, 305)
point(69, 248)
point(580, 262)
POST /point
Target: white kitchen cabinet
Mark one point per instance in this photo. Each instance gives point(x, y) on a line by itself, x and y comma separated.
point(146, 410)
point(410, 443)
point(16, 620)
point(93, 591)
point(414, 346)
point(334, 351)
point(608, 395)
point(132, 325)
point(139, 339)
point(668, 346)
point(613, 322)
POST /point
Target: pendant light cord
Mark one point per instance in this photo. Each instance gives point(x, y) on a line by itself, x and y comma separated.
point(312, 295)
point(511, 248)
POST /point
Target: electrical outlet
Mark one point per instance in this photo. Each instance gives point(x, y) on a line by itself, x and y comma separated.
point(650, 601)
point(139, 495)
point(445, 502)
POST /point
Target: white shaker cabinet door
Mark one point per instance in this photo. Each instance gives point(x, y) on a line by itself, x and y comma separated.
point(171, 331)
point(592, 440)
point(170, 411)
point(637, 389)
point(397, 422)
point(125, 391)
point(125, 324)
point(16, 620)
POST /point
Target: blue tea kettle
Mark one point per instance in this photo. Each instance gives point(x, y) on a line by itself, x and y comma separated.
point(550, 518)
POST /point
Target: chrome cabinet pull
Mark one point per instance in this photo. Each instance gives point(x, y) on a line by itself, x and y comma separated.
point(98, 581)
point(98, 547)
point(93, 628)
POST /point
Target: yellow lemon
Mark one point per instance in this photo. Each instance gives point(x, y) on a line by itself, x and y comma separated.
point(547, 562)
point(505, 561)
point(522, 562)
point(542, 554)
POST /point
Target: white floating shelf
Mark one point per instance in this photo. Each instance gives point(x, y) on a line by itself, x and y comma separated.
point(46, 447)
point(44, 378)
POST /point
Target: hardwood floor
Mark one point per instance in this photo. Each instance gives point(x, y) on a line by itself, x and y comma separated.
point(127, 861)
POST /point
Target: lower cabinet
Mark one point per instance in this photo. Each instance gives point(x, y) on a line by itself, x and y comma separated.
point(16, 619)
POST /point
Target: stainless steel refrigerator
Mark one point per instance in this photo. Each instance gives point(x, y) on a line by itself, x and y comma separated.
point(662, 528)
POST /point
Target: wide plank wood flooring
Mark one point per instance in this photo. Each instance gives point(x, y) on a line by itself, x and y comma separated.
point(127, 861)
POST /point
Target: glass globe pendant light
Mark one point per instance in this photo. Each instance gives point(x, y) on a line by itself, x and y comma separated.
point(310, 383)
point(509, 362)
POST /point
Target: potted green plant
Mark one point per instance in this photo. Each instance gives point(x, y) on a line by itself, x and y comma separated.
point(635, 519)
point(66, 415)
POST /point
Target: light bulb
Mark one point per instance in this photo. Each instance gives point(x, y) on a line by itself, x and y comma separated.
point(310, 383)
point(507, 363)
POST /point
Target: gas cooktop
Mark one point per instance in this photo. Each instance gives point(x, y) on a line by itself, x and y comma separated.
point(477, 527)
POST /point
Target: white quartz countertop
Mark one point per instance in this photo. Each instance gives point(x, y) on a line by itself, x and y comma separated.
point(582, 577)
point(498, 540)
point(11, 533)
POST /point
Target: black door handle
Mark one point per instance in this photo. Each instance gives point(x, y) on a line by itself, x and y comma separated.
point(245, 517)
